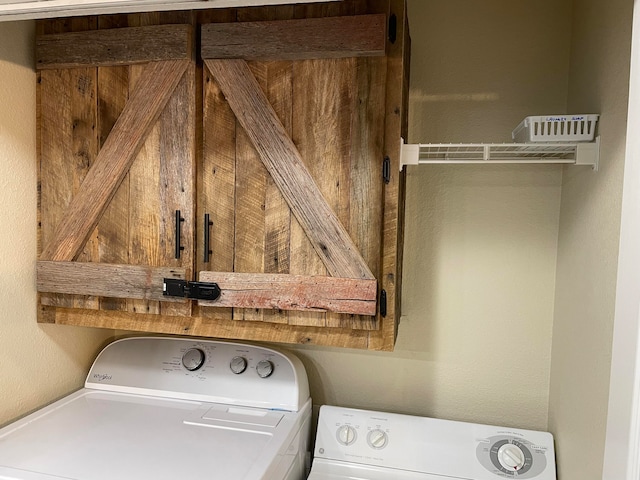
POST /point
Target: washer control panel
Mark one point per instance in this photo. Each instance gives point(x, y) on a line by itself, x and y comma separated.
point(202, 370)
point(512, 456)
point(432, 446)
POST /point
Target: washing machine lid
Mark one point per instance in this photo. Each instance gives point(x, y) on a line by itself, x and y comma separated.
point(98, 435)
point(330, 470)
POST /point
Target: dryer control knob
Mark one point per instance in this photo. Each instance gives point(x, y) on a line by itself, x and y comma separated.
point(238, 365)
point(377, 439)
point(193, 359)
point(264, 368)
point(346, 435)
point(511, 457)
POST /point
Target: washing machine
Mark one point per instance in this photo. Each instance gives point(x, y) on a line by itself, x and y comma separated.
point(367, 445)
point(170, 408)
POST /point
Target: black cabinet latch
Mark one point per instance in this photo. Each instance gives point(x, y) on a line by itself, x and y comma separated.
point(383, 303)
point(195, 290)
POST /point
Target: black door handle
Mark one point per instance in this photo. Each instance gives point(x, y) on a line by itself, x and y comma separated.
point(179, 221)
point(207, 237)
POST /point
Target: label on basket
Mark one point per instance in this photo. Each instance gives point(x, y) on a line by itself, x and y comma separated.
point(574, 118)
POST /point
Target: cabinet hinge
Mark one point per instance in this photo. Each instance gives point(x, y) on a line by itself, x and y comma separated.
point(196, 290)
point(386, 169)
point(383, 303)
point(393, 28)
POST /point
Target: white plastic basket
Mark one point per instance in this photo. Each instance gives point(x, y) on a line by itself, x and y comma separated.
point(556, 128)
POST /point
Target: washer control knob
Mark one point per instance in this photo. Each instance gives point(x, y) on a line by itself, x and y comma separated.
point(511, 457)
point(377, 439)
point(238, 365)
point(346, 435)
point(264, 368)
point(193, 359)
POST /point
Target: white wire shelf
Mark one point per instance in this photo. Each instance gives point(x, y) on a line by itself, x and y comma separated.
point(479, 153)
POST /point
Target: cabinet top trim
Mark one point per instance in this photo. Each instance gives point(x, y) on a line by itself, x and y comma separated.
point(118, 46)
point(301, 39)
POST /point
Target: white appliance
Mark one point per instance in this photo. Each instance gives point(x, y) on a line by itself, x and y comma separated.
point(365, 445)
point(170, 408)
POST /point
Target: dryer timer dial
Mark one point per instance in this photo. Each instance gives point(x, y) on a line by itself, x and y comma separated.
point(193, 359)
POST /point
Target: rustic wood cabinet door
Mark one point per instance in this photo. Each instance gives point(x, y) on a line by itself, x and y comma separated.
point(333, 110)
point(115, 167)
point(291, 148)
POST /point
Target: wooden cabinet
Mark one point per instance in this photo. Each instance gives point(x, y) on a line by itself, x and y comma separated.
point(290, 146)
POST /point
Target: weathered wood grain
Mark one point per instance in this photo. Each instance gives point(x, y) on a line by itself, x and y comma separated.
point(324, 9)
point(118, 46)
point(293, 292)
point(322, 131)
point(392, 233)
point(216, 185)
point(107, 280)
point(206, 327)
point(366, 185)
point(275, 80)
point(142, 110)
point(113, 228)
point(297, 39)
point(251, 182)
point(277, 215)
point(176, 188)
point(68, 148)
point(144, 210)
point(215, 193)
point(283, 162)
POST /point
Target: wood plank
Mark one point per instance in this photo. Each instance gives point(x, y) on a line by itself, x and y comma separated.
point(323, 134)
point(282, 159)
point(143, 245)
point(303, 256)
point(216, 185)
point(366, 184)
point(142, 110)
point(68, 147)
point(206, 327)
point(144, 210)
point(294, 292)
point(118, 46)
point(324, 9)
point(113, 228)
point(216, 171)
point(251, 182)
point(392, 233)
point(176, 189)
point(277, 215)
point(108, 280)
point(275, 80)
point(53, 198)
point(296, 39)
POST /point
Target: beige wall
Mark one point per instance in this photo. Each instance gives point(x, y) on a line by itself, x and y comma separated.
point(38, 363)
point(588, 242)
point(475, 340)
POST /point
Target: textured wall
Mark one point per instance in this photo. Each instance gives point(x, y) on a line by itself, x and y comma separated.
point(38, 363)
point(480, 253)
point(588, 242)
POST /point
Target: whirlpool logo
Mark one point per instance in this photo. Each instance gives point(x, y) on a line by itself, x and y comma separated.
point(101, 377)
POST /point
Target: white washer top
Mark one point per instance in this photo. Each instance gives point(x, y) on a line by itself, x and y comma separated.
point(331, 470)
point(109, 430)
point(361, 444)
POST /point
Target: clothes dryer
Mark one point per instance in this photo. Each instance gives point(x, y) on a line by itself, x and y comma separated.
point(367, 445)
